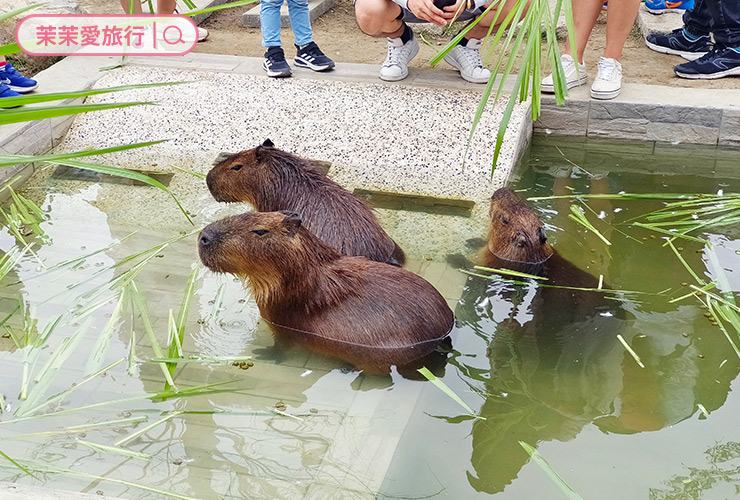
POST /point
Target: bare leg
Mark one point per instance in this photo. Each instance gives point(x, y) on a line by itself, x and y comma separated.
point(586, 13)
point(164, 7)
point(620, 17)
point(378, 18)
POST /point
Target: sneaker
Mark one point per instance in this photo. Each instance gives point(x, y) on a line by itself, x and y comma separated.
point(202, 34)
point(15, 81)
point(717, 63)
point(275, 63)
point(466, 59)
point(311, 57)
point(660, 6)
point(6, 92)
point(396, 65)
point(573, 78)
point(608, 81)
point(680, 43)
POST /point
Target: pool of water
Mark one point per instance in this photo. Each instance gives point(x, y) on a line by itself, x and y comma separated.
point(550, 373)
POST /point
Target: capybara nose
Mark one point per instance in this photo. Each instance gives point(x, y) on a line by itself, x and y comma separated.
point(207, 237)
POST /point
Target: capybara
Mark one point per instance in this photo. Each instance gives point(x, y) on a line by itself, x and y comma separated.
point(270, 179)
point(371, 314)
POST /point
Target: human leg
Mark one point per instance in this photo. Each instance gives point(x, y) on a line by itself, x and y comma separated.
point(690, 41)
point(465, 56)
point(308, 53)
point(383, 18)
point(274, 64)
point(724, 59)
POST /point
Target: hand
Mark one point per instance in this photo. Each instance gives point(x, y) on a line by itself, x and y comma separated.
point(451, 10)
point(425, 9)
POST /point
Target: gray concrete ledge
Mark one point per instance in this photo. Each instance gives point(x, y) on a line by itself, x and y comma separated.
point(648, 113)
point(316, 8)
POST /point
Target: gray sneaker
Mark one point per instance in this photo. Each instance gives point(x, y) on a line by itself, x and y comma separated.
point(396, 65)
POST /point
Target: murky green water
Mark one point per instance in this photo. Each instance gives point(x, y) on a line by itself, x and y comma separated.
point(298, 425)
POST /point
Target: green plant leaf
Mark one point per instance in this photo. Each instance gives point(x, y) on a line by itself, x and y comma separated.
point(569, 492)
point(30, 114)
point(9, 160)
point(58, 96)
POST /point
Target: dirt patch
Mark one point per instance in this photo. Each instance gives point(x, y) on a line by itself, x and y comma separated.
point(339, 37)
point(337, 34)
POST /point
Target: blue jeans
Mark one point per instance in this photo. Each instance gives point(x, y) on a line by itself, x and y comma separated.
point(720, 17)
point(300, 22)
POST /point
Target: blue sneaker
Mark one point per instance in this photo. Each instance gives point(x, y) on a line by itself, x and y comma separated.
point(275, 63)
point(717, 63)
point(6, 92)
point(17, 82)
point(679, 43)
point(660, 6)
point(311, 57)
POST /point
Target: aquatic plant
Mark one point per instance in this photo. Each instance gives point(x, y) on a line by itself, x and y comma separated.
point(523, 42)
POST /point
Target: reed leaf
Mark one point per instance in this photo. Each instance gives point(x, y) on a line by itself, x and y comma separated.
point(39, 113)
point(9, 160)
point(567, 490)
point(22, 468)
point(219, 7)
point(444, 388)
point(113, 449)
point(144, 430)
point(577, 214)
point(4, 16)
point(58, 96)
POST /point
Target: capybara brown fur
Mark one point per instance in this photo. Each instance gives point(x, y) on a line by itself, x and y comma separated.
point(370, 314)
point(270, 179)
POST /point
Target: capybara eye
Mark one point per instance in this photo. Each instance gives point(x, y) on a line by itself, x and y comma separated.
point(236, 167)
point(260, 232)
point(504, 220)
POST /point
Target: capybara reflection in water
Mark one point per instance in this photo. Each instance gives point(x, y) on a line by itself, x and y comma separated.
point(270, 179)
point(368, 313)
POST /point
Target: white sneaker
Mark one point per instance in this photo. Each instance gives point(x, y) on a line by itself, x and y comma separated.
point(202, 34)
point(608, 81)
point(467, 61)
point(396, 65)
point(573, 78)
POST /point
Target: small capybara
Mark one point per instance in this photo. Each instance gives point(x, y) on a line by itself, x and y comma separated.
point(368, 313)
point(270, 179)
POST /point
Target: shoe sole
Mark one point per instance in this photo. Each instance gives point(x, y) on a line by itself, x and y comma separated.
point(300, 63)
point(550, 89)
point(712, 76)
point(604, 96)
point(689, 56)
point(405, 74)
point(275, 74)
point(23, 90)
point(453, 63)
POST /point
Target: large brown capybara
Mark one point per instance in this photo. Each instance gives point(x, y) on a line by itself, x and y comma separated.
point(370, 314)
point(270, 179)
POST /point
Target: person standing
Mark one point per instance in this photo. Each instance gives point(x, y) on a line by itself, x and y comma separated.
point(620, 17)
point(720, 18)
point(308, 54)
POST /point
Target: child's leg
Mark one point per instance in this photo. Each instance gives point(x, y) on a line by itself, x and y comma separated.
point(270, 22)
point(300, 22)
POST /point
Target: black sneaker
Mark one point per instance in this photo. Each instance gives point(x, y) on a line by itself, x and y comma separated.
point(275, 63)
point(311, 57)
point(718, 63)
point(678, 43)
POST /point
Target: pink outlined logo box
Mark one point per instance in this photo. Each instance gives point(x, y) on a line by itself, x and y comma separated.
point(106, 35)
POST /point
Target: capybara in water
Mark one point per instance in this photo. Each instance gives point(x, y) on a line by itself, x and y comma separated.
point(368, 313)
point(270, 179)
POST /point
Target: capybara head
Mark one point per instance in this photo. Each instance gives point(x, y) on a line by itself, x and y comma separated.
point(253, 244)
point(517, 235)
point(240, 177)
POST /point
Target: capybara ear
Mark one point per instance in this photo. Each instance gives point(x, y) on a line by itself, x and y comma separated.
point(268, 143)
point(222, 157)
point(292, 221)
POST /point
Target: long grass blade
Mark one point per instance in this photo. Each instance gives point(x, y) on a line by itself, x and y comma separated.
point(40, 113)
point(444, 388)
point(567, 490)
